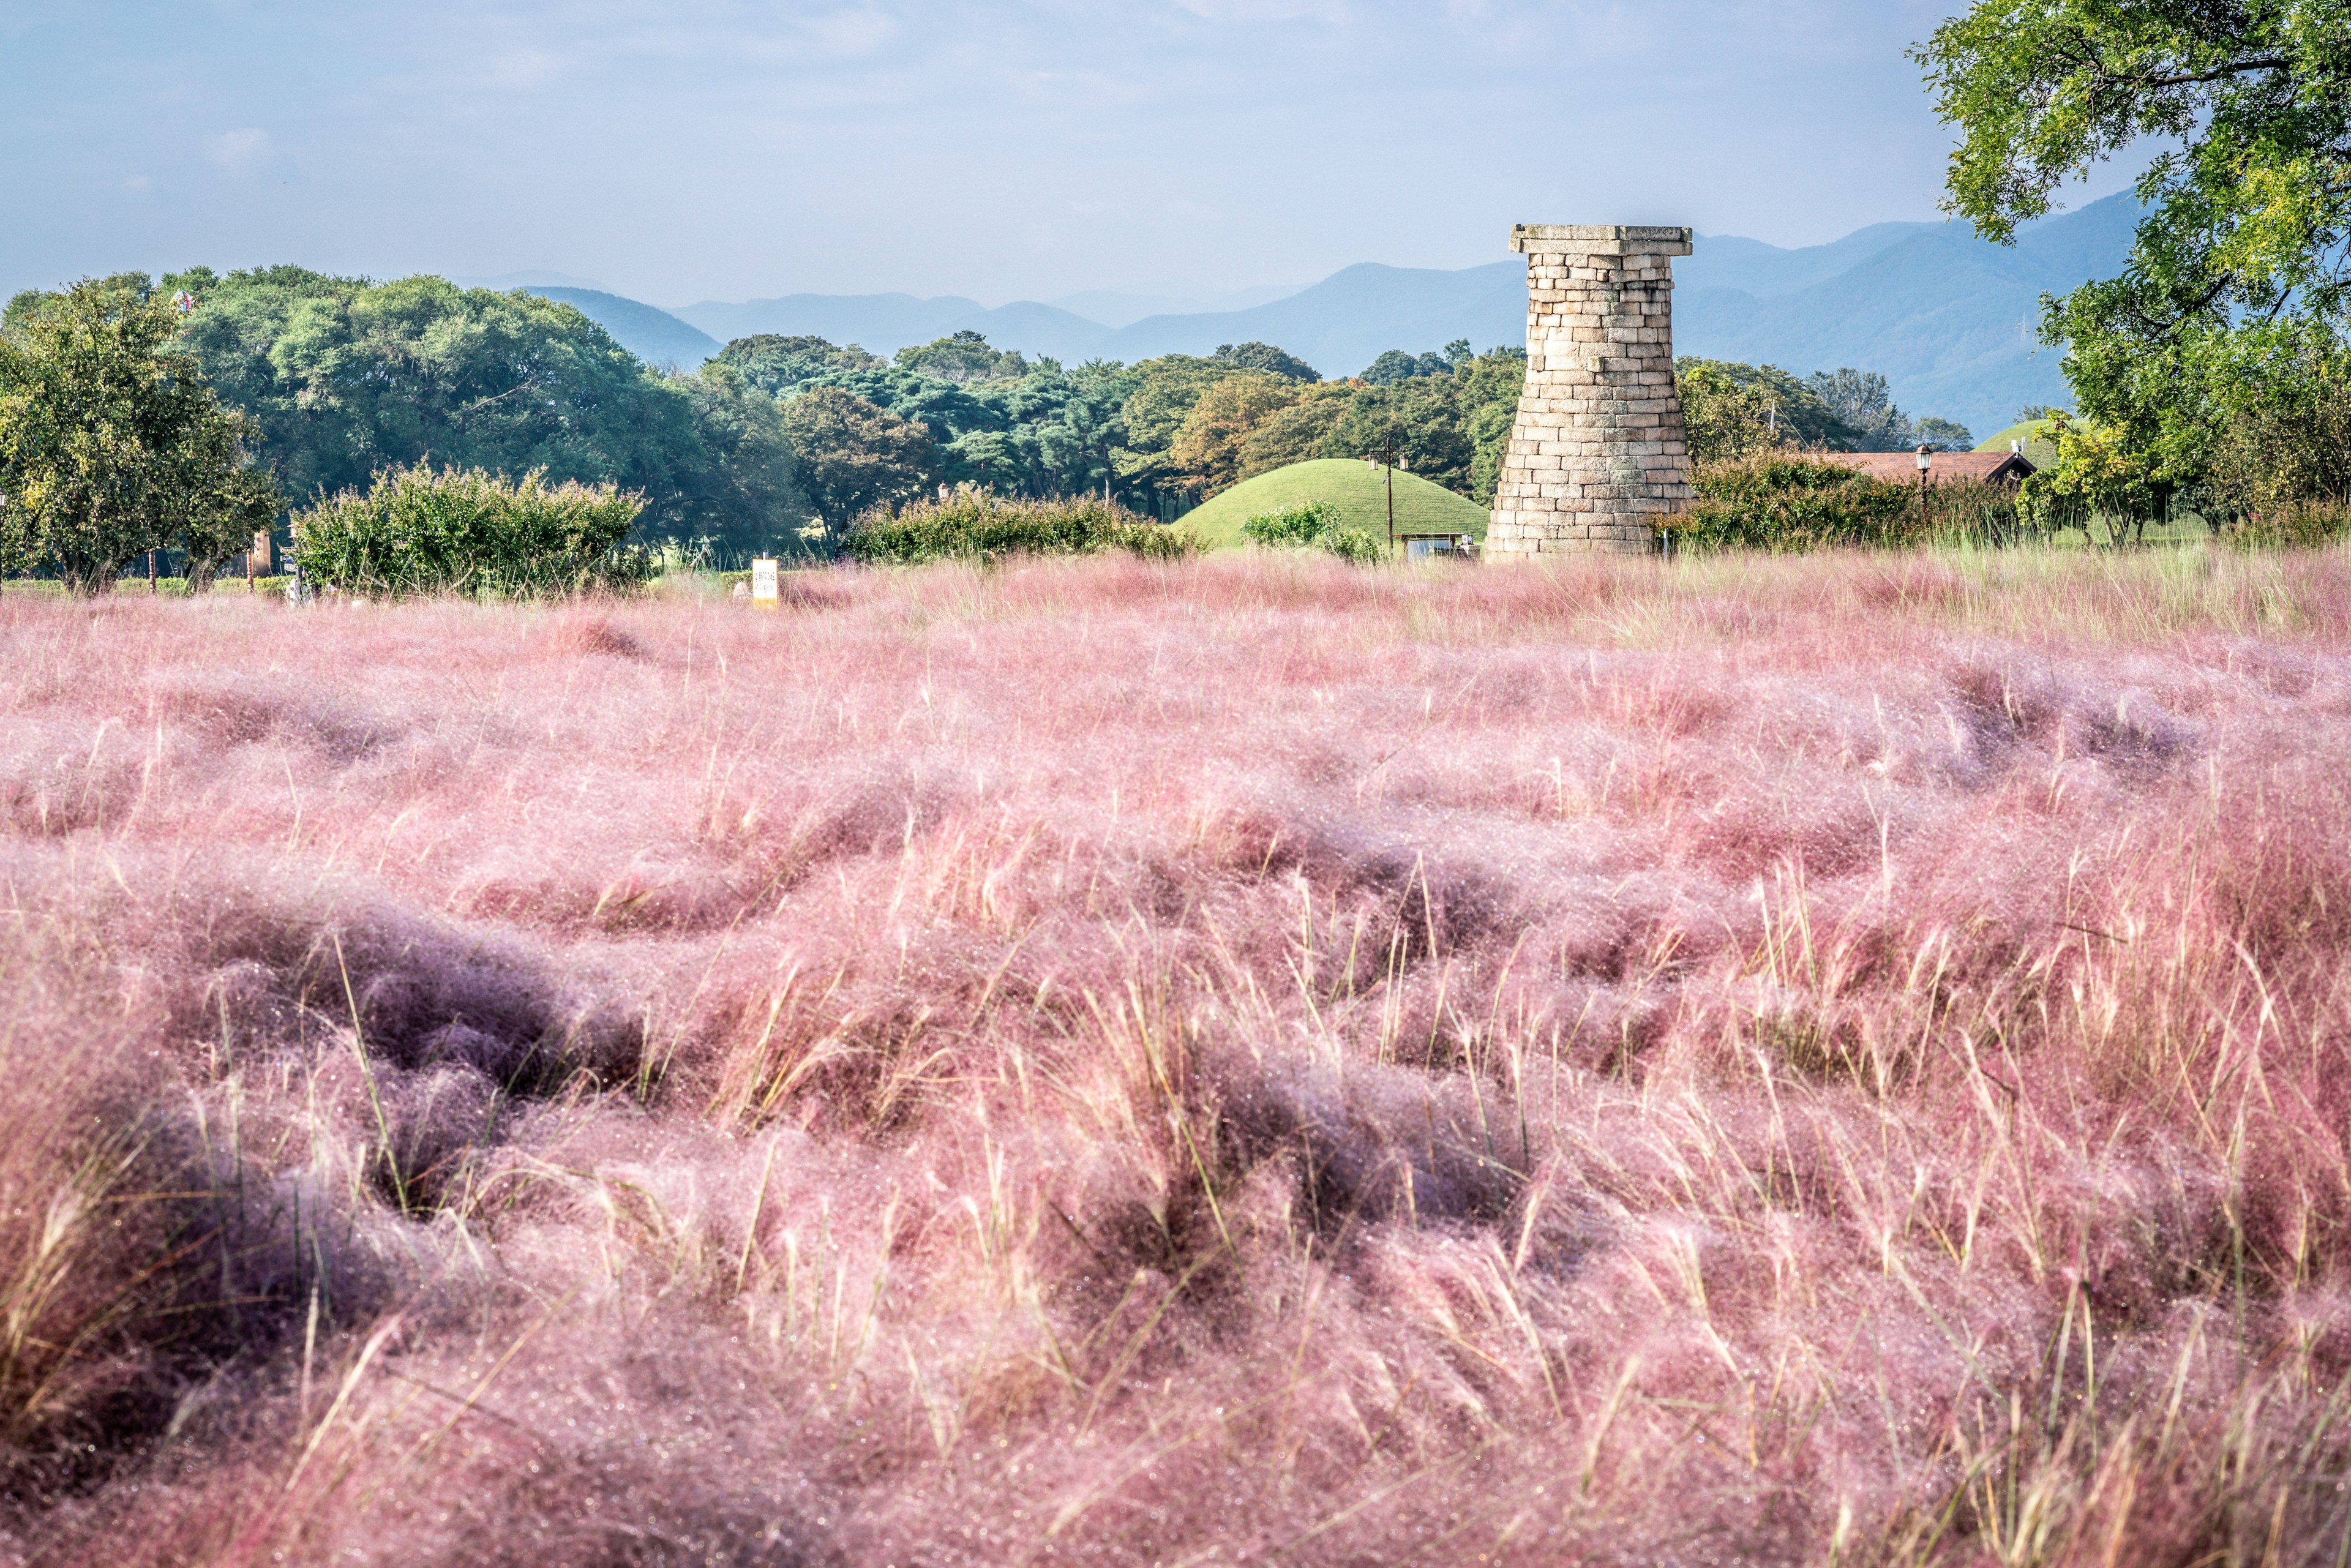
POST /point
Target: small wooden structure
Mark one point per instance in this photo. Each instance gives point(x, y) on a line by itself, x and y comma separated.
point(1426, 547)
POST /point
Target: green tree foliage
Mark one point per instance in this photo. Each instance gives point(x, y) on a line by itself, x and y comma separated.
point(1304, 430)
point(972, 525)
point(1234, 429)
point(1045, 432)
point(1793, 407)
point(2239, 281)
point(1177, 425)
point(856, 455)
point(1490, 389)
point(1264, 357)
point(421, 531)
point(111, 445)
point(1865, 408)
point(1207, 448)
point(344, 377)
point(1166, 389)
point(1733, 411)
point(1725, 417)
point(1394, 365)
point(777, 365)
point(962, 358)
point(1312, 526)
point(1863, 404)
point(2288, 450)
point(1420, 419)
point(748, 494)
point(1780, 502)
point(2099, 472)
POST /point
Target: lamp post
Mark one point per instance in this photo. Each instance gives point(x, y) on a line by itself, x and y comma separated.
point(1926, 465)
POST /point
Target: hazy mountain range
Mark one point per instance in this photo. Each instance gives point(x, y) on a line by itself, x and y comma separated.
point(1947, 317)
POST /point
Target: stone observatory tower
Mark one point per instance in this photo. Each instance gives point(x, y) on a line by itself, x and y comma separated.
point(1598, 449)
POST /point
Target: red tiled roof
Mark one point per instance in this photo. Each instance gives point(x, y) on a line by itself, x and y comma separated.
point(1902, 467)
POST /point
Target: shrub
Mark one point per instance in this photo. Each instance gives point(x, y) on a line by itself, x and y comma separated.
point(1295, 527)
point(2309, 525)
point(1968, 511)
point(972, 525)
point(1772, 502)
point(1312, 525)
point(418, 530)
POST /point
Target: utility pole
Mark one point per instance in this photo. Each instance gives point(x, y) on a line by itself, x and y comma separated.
point(1388, 457)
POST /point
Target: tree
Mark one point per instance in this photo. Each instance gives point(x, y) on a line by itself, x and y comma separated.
point(963, 357)
point(1793, 409)
point(1207, 450)
point(1419, 417)
point(1395, 365)
point(1862, 402)
point(214, 500)
point(2239, 279)
point(777, 364)
point(855, 455)
point(751, 482)
point(1166, 389)
point(111, 445)
point(1298, 433)
point(343, 377)
point(1725, 418)
point(1941, 434)
point(1491, 384)
point(1265, 357)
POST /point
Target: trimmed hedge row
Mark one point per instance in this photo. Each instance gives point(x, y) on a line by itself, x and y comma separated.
point(1788, 505)
point(972, 526)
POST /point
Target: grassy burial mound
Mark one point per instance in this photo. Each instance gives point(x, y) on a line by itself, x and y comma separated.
point(1359, 494)
point(2040, 449)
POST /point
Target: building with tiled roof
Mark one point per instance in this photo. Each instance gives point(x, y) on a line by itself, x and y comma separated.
point(1902, 467)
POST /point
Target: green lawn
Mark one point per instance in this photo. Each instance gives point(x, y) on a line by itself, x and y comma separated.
point(1359, 493)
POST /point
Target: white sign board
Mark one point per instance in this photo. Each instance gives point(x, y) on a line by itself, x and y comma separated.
point(763, 585)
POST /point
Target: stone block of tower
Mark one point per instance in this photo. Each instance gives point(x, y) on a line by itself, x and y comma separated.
point(1598, 452)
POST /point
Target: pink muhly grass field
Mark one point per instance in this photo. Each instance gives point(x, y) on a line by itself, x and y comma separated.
point(1842, 1060)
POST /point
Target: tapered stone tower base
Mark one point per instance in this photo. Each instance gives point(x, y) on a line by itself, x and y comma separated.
point(1598, 452)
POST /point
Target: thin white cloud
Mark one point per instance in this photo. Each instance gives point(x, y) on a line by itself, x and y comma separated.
point(526, 67)
point(239, 152)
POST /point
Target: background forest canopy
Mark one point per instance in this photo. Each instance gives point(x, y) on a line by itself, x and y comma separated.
point(338, 378)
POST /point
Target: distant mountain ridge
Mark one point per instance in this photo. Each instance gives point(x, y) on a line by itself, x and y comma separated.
point(654, 335)
point(1949, 320)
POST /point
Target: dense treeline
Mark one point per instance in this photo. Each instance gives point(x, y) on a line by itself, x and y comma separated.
point(111, 445)
point(343, 378)
point(778, 442)
point(1179, 427)
point(337, 378)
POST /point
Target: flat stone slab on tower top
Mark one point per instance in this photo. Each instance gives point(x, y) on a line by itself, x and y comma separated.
point(1600, 239)
point(1597, 452)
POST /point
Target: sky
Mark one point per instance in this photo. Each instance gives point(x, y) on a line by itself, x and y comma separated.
point(702, 150)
